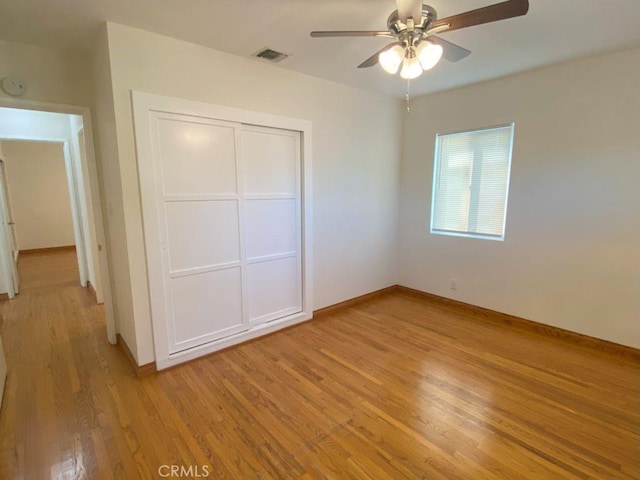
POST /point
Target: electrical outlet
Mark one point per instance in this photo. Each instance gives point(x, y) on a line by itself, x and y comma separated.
point(453, 284)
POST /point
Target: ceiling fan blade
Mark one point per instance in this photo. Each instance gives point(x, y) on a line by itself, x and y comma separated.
point(438, 29)
point(350, 33)
point(373, 59)
point(450, 51)
point(409, 8)
point(492, 13)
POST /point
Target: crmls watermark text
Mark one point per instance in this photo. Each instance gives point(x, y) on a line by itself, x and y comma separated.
point(184, 471)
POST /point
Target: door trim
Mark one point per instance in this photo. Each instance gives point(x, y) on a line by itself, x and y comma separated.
point(7, 260)
point(143, 105)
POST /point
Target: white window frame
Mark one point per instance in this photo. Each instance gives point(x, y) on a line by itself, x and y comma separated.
point(436, 167)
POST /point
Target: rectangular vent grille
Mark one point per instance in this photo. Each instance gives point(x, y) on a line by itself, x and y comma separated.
point(270, 55)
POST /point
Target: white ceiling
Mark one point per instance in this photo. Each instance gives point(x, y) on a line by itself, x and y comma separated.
point(553, 31)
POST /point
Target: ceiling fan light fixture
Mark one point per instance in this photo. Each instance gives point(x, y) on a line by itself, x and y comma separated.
point(391, 59)
point(412, 25)
point(410, 65)
point(429, 54)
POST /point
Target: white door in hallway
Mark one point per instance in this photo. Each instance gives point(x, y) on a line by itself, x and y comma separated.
point(228, 209)
point(8, 248)
point(9, 211)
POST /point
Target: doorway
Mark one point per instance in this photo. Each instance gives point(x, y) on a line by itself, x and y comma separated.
point(40, 202)
point(43, 143)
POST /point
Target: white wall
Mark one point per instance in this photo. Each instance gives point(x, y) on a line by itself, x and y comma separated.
point(571, 255)
point(39, 194)
point(50, 75)
point(27, 124)
point(106, 144)
point(356, 152)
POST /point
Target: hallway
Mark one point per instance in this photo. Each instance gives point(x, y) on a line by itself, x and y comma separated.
point(48, 269)
point(59, 369)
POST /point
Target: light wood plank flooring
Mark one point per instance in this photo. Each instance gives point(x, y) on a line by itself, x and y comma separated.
point(393, 388)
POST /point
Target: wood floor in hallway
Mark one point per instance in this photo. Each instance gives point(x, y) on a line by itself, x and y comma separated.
point(393, 388)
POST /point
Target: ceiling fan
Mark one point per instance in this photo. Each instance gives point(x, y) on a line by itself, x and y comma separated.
point(413, 26)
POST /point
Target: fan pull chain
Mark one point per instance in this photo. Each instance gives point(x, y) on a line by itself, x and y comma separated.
point(406, 96)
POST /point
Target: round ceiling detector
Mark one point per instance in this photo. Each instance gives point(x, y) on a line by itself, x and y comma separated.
point(13, 86)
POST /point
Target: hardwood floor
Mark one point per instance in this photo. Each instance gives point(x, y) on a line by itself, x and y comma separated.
point(41, 268)
point(392, 388)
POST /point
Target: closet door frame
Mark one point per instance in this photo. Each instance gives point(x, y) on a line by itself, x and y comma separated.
point(145, 107)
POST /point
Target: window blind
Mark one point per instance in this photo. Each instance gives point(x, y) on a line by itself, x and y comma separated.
point(471, 182)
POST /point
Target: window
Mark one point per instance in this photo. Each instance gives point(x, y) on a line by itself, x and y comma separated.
point(471, 183)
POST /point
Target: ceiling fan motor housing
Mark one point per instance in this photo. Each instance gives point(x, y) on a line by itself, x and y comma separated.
point(398, 28)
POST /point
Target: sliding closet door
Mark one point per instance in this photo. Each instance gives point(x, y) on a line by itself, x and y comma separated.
point(199, 214)
point(226, 204)
point(272, 202)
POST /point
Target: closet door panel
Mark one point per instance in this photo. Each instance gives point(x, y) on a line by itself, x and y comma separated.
point(271, 227)
point(270, 162)
point(206, 306)
point(202, 234)
point(196, 158)
point(274, 289)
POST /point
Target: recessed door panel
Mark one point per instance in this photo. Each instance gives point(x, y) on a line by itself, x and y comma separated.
point(202, 233)
point(270, 162)
point(196, 158)
point(206, 307)
point(274, 289)
point(271, 227)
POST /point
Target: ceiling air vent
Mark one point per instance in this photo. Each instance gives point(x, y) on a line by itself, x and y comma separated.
point(270, 55)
